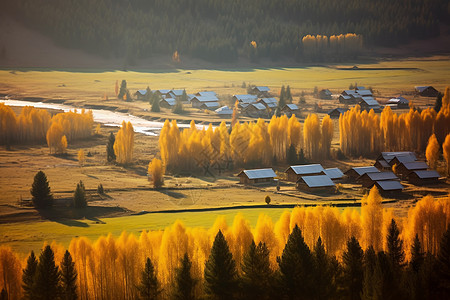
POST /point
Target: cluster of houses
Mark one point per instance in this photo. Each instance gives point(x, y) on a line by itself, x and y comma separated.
point(314, 178)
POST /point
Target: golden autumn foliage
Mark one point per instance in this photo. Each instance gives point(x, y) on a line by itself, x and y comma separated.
point(317, 138)
point(56, 140)
point(111, 266)
point(432, 151)
point(319, 46)
point(446, 152)
point(81, 157)
point(156, 172)
point(123, 146)
point(363, 133)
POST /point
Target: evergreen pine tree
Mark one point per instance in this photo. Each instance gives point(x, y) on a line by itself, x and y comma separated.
point(438, 102)
point(417, 256)
point(68, 278)
point(28, 275)
point(288, 94)
point(110, 155)
point(4, 294)
point(282, 101)
point(79, 196)
point(178, 108)
point(296, 266)
point(291, 156)
point(220, 270)
point(352, 260)
point(370, 282)
point(155, 103)
point(443, 265)
point(148, 94)
point(47, 276)
point(123, 90)
point(184, 283)
point(301, 157)
point(257, 276)
point(395, 246)
point(149, 286)
point(40, 190)
point(325, 283)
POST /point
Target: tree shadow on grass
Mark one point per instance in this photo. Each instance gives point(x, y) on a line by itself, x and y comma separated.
point(173, 194)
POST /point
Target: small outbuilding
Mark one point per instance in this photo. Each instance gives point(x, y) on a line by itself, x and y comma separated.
point(354, 173)
point(382, 165)
point(256, 176)
point(290, 109)
point(368, 179)
point(423, 177)
point(256, 110)
point(334, 173)
point(271, 103)
point(368, 103)
point(197, 101)
point(388, 156)
point(426, 91)
point(167, 103)
point(398, 102)
point(261, 91)
point(403, 169)
point(388, 186)
point(317, 183)
point(294, 173)
point(224, 112)
point(210, 105)
point(140, 94)
point(245, 98)
point(325, 94)
point(337, 112)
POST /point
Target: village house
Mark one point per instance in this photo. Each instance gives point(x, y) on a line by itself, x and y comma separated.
point(224, 112)
point(403, 169)
point(167, 103)
point(270, 103)
point(368, 103)
point(368, 179)
point(261, 91)
point(256, 110)
point(210, 105)
point(423, 177)
point(398, 103)
point(162, 93)
point(388, 187)
point(207, 94)
point(140, 94)
point(337, 112)
point(355, 172)
point(426, 91)
point(325, 94)
point(256, 176)
point(294, 173)
point(245, 98)
point(388, 156)
point(316, 184)
point(290, 109)
point(382, 165)
point(197, 101)
point(334, 173)
point(401, 159)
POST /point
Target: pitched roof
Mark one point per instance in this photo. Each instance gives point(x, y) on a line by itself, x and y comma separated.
point(388, 156)
point(207, 93)
point(259, 173)
point(317, 181)
point(345, 97)
point(306, 169)
point(290, 106)
point(224, 110)
point(163, 91)
point(376, 176)
point(402, 159)
point(415, 165)
point(422, 88)
point(334, 173)
point(360, 88)
point(211, 104)
point(383, 163)
point(246, 98)
point(398, 100)
point(389, 185)
point(424, 174)
point(206, 98)
point(269, 100)
point(177, 92)
point(262, 88)
point(258, 106)
point(370, 101)
point(142, 92)
point(363, 170)
point(339, 110)
point(170, 101)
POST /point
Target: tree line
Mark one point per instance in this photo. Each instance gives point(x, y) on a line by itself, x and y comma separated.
point(313, 252)
point(363, 133)
point(223, 31)
point(34, 125)
point(317, 47)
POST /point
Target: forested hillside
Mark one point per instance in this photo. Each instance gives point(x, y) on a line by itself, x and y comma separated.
point(217, 30)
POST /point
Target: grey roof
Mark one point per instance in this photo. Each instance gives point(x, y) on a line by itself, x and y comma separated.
point(258, 106)
point(163, 91)
point(212, 104)
point(206, 98)
point(375, 176)
point(317, 181)
point(224, 110)
point(262, 88)
point(259, 173)
point(398, 100)
point(389, 185)
point(424, 174)
point(345, 97)
point(364, 92)
point(360, 88)
point(364, 170)
point(246, 98)
point(422, 88)
point(326, 91)
point(207, 93)
point(349, 92)
point(402, 159)
point(170, 101)
point(383, 163)
point(334, 173)
point(270, 102)
point(388, 156)
point(177, 92)
point(291, 106)
point(306, 169)
point(370, 101)
point(415, 165)
point(339, 109)
point(142, 92)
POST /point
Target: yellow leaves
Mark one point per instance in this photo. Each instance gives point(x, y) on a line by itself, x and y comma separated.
point(123, 146)
point(156, 171)
point(10, 272)
point(81, 157)
point(55, 139)
point(446, 152)
point(432, 151)
point(372, 220)
point(176, 57)
point(253, 44)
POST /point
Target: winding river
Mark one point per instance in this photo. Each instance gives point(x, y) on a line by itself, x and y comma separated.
point(105, 117)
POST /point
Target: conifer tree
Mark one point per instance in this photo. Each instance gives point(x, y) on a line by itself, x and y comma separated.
point(40, 190)
point(123, 90)
point(79, 196)
point(417, 256)
point(325, 284)
point(155, 103)
point(149, 285)
point(288, 94)
point(353, 269)
point(68, 278)
point(47, 276)
point(443, 265)
point(282, 101)
point(257, 276)
point(296, 265)
point(184, 283)
point(395, 246)
point(28, 276)
point(291, 155)
point(110, 155)
point(220, 270)
point(3, 294)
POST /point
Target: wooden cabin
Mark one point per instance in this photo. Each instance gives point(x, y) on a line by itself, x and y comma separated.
point(382, 165)
point(388, 156)
point(197, 101)
point(387, 187)
point(316, 183)
point(261, 91)
point(256, 110)
point(210, 105)
point(294, 173)
point(270, 103)
point(325, 94)
point(337, 112)
point(354, 173)
point(167, 103)
point(368, 103)
point(423, 177)
point(334, 173)
point(290, 109)
point(426, 91)
point(403, 169)
point(140, 94)
point(256, 176)
point(368, 179)
point(224, 112)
